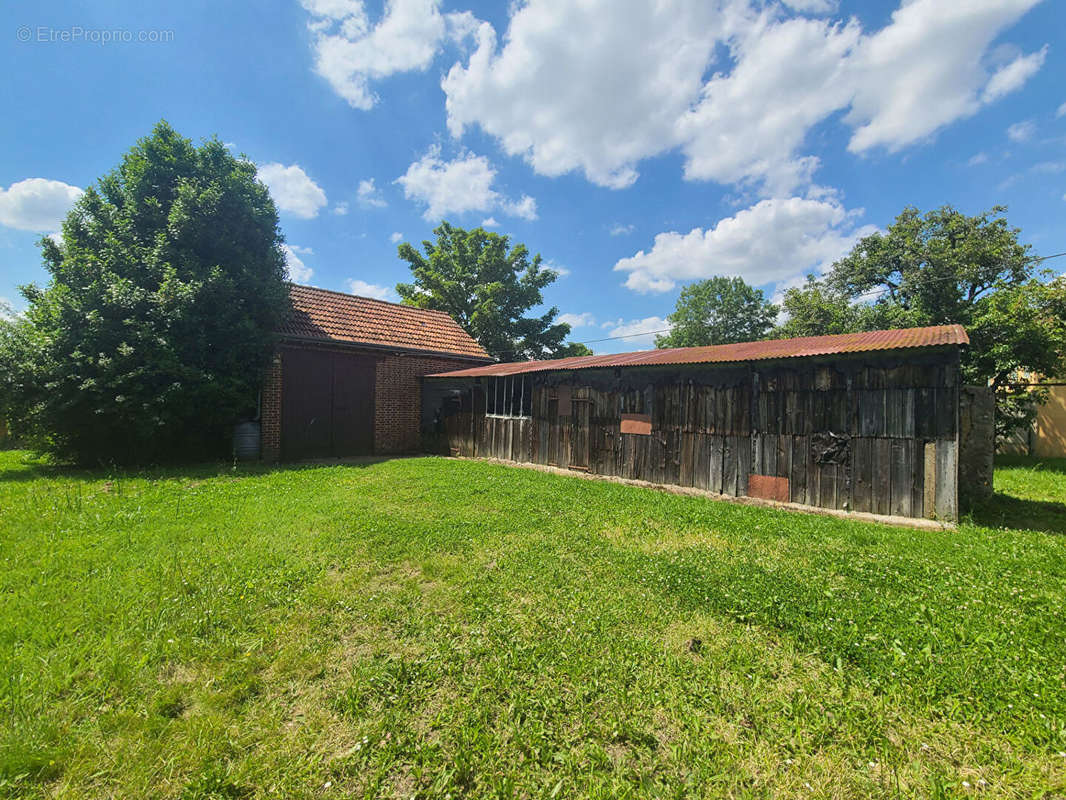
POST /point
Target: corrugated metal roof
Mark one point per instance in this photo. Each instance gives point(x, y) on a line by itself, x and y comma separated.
point(899, 339)
point(337, 317)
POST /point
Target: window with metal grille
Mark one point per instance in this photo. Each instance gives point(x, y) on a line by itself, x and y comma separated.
point(509, 397)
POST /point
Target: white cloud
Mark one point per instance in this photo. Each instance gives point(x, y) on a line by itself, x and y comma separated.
point(773, 78)
point(639, 334)
point(341, 209)
point(1061, 112)
point(925, 69)
point(977, 158)
point(525, 207)
point(1021, 131)
point(527, 96)
point(37, 204)
point(750, 123)
point(582, 320)
point(396, 237)
point(370, 195)
point(489, 222)
point(293, 190)
point(812, 6)
point(364, 289)
point(773, 240)
point(618, 229)
point(350, 52)
point(457, 186)
point(299, 272)
point(1013, 76)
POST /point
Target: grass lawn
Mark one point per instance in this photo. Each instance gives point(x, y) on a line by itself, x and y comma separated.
point(442, 628)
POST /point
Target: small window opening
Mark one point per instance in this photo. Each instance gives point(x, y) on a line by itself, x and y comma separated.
point(509, 397)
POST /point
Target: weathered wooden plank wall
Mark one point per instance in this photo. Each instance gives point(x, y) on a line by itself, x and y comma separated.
point(862, 434)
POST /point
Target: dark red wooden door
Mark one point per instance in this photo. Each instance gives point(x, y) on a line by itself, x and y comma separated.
point(353, 406)
point(327, 405)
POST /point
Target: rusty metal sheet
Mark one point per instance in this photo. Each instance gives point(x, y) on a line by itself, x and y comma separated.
point(805, 347)
point(636, 423)
point(768, 487)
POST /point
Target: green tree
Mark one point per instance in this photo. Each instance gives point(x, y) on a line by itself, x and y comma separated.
point(940, 268)
point(718, 310)
point(149, 339)
point(487, 286)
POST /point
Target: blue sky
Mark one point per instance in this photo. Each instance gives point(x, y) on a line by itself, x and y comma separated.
point(637, 146)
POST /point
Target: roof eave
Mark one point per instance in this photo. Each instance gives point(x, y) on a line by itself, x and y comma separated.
point(391, 348)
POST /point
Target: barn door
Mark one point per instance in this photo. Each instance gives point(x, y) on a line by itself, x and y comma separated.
point(306, 404)
point(353, 405)
point(327, 405)
point(581, 410)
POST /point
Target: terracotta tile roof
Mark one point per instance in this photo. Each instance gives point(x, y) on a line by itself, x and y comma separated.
point(745, 351)
point(337, 317)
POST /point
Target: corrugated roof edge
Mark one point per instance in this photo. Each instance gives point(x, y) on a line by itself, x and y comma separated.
point(804, 347)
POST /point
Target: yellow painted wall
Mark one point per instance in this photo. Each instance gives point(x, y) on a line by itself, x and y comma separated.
point(1050, 429)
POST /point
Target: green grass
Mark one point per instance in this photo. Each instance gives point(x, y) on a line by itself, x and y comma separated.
point(435, 628)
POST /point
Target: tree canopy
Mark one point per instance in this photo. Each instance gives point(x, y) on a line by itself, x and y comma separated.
point(718, 310)
point(166, 288)
point(946, 267)
point(487, 286)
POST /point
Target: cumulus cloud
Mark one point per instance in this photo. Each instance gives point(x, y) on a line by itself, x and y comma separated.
point(639, 334)
point(1061, 112)
point(582, 320)
point(396, 237)
point(925, 69)
point(370, 195)
point(458, 186)
point(977, 158)
point(773, 78)
point(774, 240)
point(1021, 131)
point(37, 204)
point(298, 271)
point(350, 51)
point(526, 95)
point(364, 289)
point(812, 6)
point(1013, 76)
point(341, 209)
point(618, 229)
point(293, 189)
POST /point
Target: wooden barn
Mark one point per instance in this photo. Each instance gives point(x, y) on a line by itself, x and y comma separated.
point(864, 422)
point(346, 380)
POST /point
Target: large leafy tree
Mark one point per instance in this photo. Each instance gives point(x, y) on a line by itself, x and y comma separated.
point(718, 311)
point(488, 285)
point(947, 267)
point(149, 340)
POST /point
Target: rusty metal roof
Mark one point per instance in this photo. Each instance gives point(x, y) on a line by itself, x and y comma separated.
point(899, 339)
point(322, 314)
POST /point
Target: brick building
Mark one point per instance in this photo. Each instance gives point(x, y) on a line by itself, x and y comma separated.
point(346, 379)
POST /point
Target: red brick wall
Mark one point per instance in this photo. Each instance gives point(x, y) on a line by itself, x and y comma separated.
point(270, 412)
point(398, 399)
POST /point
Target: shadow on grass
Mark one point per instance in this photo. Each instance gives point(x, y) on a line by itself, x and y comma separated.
point(1005, 511)
point(42, 470)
